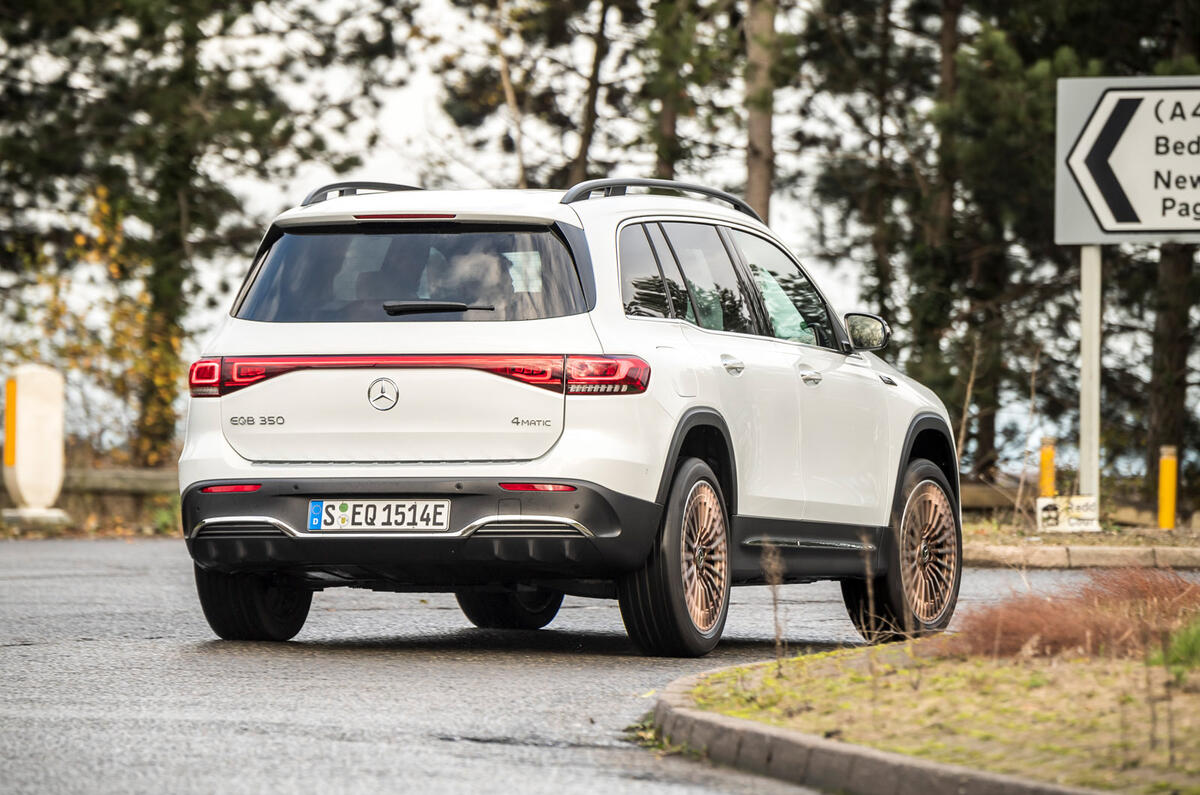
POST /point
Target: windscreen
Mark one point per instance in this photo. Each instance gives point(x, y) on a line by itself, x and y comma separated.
point(435, 272)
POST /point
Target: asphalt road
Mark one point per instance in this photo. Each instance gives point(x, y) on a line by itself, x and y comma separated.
point(110, 681)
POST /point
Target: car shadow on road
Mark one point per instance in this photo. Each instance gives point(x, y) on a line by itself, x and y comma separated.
point(485, 642)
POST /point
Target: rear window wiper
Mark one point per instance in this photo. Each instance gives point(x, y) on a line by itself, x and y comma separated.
point(420, 307)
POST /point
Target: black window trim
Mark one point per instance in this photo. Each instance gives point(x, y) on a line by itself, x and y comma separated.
point(687, 288)
point(657, 264)
point(843, 339)
point(758, 306)
point(273, 233)
point(661, 273)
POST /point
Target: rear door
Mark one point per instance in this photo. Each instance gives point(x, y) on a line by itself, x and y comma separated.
point(749, 376)
point(403, 343)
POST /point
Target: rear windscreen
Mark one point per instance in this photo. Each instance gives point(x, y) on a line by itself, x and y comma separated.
point(349, 274)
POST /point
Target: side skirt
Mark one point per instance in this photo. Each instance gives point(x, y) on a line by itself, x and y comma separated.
point(810, 550)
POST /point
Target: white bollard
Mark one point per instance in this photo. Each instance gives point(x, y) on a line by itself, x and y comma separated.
point(33, 444)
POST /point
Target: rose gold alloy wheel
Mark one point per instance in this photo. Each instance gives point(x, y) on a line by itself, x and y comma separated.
point(928, 551)
point(705, 556)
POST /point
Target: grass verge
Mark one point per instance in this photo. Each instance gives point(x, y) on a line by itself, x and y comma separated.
point(1052, 700)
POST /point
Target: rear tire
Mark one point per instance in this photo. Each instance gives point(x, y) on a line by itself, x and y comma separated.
point(676, 605)
point(522, 609)
point(252, 606)
point(917, 593)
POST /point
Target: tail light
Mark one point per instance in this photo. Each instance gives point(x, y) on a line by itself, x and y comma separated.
point(204, 378)
point(606, 375)
point(576, 375)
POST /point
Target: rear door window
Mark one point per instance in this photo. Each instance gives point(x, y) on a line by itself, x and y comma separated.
point(680, 301)
point(721, 303)
point(347, 274)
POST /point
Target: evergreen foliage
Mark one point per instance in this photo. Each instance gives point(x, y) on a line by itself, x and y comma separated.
point(928, 126)
point(163, 103)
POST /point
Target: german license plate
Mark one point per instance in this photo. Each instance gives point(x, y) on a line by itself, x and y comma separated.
point(398, 515)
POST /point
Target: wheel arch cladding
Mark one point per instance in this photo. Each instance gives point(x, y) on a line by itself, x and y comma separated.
point(929, 437)
point(702, 433)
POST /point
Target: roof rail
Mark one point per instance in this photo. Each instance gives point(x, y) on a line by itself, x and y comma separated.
point(349, 189)
point(617, 185)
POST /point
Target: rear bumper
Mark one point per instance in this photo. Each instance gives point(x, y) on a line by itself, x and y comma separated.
point(495, 536)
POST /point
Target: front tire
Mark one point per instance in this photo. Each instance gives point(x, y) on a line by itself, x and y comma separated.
point(676, 605)
point(519, 609)
point(252, 606)
point(917, 593)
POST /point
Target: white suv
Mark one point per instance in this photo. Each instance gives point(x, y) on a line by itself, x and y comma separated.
point(515, 395)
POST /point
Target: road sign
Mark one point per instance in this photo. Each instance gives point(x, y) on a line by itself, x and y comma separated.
point(1128, 160)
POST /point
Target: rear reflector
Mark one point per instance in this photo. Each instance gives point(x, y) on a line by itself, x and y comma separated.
point(232, 488)
point(575, 375)
point(536, 487)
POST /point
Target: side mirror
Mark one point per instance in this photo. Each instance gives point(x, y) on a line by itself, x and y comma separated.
point(867, 332)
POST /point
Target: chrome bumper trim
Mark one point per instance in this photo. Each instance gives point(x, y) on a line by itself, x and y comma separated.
point(514, 525)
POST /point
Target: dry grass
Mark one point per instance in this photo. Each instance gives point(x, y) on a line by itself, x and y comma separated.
point(1119, 613)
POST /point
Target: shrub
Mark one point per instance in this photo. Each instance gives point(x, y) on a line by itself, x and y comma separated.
point(1118, 613)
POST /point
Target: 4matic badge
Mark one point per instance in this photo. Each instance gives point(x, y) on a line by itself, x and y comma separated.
point(524, 423)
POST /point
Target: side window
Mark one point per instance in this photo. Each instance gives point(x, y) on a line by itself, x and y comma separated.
point(670, 269)
point(642, 290)
point(711, 278)
point(795, 307)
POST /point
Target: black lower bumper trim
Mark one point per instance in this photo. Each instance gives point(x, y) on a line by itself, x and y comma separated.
point(603, 533)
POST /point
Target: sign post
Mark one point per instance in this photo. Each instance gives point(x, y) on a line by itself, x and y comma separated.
point(1089, 372)
point(1127, 170)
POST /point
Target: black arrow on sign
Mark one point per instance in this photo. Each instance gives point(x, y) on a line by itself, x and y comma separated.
point(1097, 160)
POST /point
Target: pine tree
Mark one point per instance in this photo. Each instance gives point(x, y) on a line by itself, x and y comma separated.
point(760, 104)
point(163, 103)
point(523, 82)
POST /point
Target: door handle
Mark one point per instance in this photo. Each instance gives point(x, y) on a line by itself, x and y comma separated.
point(732, 366)
point(810, 377)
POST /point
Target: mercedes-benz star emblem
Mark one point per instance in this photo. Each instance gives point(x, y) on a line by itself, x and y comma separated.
point(383, 393)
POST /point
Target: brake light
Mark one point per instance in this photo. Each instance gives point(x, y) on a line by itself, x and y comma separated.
point(404, 216)
point(536, 487)
point(232, 488)
point(237, 372)
point(204, 378)
point(584, 375)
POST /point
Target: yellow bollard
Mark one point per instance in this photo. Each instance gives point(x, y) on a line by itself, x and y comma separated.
point(1046, 486)
point(1168, 476)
